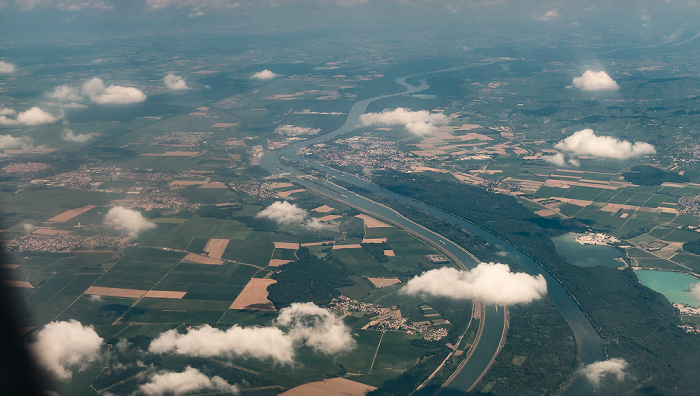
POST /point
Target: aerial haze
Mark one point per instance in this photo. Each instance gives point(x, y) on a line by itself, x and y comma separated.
point(382, 197)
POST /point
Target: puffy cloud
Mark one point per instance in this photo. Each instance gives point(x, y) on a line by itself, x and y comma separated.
point(33, 116)
point(596, 372)
point(69, 136)
point(419, 123)
point(206, 341)
point(316, 327)
point(66, 93)
point(6, 111)
point(7, 68)
point(595, 81)
point(28, 227)
point(189, 381)
point(315, 224)
point(490, 283)
point(113, 94)
point(548, 15)
point(95, 298)
point(556, 159)
point(559, 160)
point(300, 323)
point(264, 75)
point(586, 142)
point(283, 212)
point(11, 142)
point(175, 83)
point(131, 221)
point(61, 346)
point(695, 291)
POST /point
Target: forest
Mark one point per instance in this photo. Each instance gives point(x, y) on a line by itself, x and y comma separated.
point(637, 323)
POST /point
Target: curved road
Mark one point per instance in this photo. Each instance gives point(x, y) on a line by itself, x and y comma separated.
point(590, 346)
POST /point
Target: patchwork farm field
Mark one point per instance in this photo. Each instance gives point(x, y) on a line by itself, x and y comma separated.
point(193, 270)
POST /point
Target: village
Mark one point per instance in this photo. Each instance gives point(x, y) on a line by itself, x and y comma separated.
point(389, 319)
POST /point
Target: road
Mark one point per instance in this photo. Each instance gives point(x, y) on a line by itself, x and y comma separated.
point(590, 345)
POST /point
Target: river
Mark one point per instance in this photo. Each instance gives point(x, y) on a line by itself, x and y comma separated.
point(590, 345)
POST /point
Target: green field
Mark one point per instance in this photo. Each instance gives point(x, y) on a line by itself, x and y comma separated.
point(360, 263)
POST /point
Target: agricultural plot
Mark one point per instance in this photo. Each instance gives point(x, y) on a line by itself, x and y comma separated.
point(360, 263)
point(330, 387)
point(361, 288)
point(254, 296)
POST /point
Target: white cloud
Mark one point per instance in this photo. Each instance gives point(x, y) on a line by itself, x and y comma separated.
point(156, 4)
point(419, 123)
point(586, 142)
point(28, 227)
point(66, 93)
point(264, 75)
point(33, 116)
point(11, 142)
point(316, 327)
point(7, 68)
point(556, 159)
point(130, 221)
point(695, 291)
point(490, 283)
point(95, 298)
point(206, 341)
point(113, 94)
point(300, 323)
point(559, 160)
point(61, 346)
point(189, 381)
point(548, 15)
point(284, 212)
point(315, 224)
point(595, 81)
point(6, 111)
point(175, 83)
point(596, 372)
point(69, 136)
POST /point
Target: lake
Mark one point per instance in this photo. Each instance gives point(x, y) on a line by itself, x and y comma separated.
point(673, 285)
point(586, 255)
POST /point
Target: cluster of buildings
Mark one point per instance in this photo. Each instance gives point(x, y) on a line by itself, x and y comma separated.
point(492, 185)
point(66, 243)
point(291, 130)
point(689, 205)
point(183, 138)
point(366, 152)
point(25, 168)
point(157, 199)
point(92, 178)
point(596, 238)
point(256, 189)
point(389, 319)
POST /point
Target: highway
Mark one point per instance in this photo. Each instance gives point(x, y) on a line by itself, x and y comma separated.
point(590, 345)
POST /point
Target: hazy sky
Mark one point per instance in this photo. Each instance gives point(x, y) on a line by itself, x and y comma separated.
point(123, 13)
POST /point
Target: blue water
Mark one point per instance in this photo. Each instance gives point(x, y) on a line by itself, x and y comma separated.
point(586, 255)
point(590, 345)
point(673, 285)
